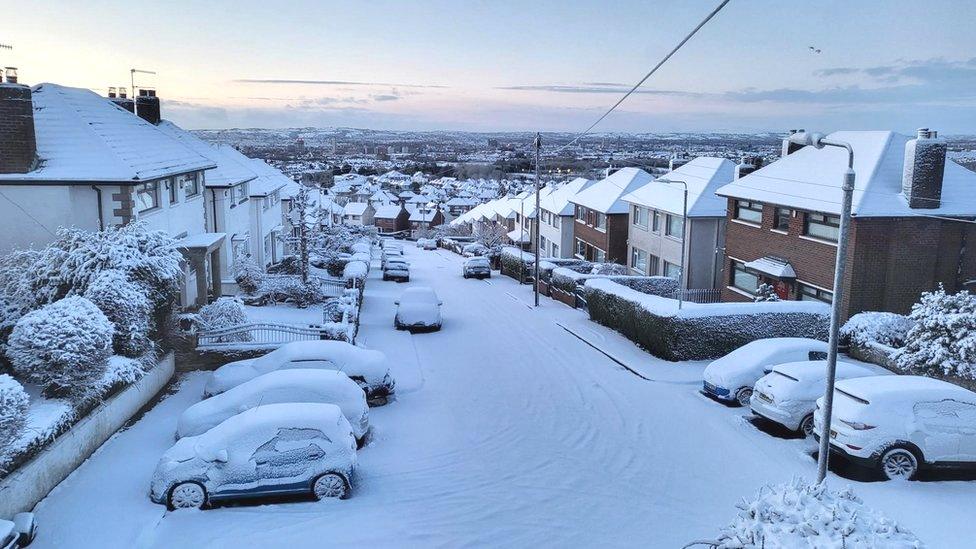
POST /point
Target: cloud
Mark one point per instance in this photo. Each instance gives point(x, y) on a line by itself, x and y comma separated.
point(594, 87)
point(329, 83)
point(385, 97)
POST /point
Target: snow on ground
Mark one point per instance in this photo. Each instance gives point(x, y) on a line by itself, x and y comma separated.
point(508, 430)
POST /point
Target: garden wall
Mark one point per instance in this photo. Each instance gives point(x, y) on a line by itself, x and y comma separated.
point(32, 481)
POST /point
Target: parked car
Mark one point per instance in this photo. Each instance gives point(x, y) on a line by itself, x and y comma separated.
point(901, 424)
point(19, 532)
point(788, 394)
point(392, 247)
point(430, 244)
point(368, 368)
point(281, 386)
point(732, 377)
point(275, 449)
point(418, 308)
point(477, 267)
point(474, 249)
point(397, 270)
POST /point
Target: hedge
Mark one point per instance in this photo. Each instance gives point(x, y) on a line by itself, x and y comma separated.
point(698, 331)
point(568, 279)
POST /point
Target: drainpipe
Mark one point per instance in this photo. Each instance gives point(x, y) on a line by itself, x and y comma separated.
point(213, 202)
point(101, 218)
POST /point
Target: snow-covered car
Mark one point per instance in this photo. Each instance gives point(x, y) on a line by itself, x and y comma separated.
point(732, 377)
point(19, 532)
point(473, 249)
point(418, 308)
point(291, 448)
point(392, 247)
point(396, 270)
point(430, 244)
point(368, 368)
point(901, 424)
point(281, 386)
point(476, 267)
point(788, 394)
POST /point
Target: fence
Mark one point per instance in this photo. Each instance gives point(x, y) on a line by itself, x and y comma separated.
point(258, 334)
point(698, 295)
point(330, 287)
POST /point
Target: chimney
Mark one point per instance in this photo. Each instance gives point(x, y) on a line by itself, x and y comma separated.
point(122, 99)
point(788, 147)
point(678, 160)
point(147, 106)
point(112, 93)
point(746, 166)
point(18, 144)
point(925, 158)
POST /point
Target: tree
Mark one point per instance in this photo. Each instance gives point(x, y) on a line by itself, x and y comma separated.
point(247, 274)
point(13, 409)
point(126, 307)
point(943, 338)
point(304, 219)
point(225, 312)
point(490, 235)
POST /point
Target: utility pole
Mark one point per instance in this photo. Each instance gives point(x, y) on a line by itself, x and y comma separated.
point(535, 222)
point(684, 238)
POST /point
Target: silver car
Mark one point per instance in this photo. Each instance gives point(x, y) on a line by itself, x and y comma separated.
point(476, 267)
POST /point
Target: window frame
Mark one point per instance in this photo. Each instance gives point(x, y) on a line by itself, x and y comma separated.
point(190, 182)
point(152, 189)
point(635, 259)
point(748, 206)
point(740, 267)
point(655, 221)
point(665, 269)
point(778, 214)
point(667, 226)
point(172, 191)
point(815, 293)
point(824, 222)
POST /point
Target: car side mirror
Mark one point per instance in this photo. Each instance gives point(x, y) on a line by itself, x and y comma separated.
point(221, 456)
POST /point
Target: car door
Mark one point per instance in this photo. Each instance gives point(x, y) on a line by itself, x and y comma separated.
point(288, 461)
point(967, 431)
point(939, 428)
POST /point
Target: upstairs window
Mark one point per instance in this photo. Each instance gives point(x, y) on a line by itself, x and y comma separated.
point(639, 216)
point(191, 187)
point(656, 221)
point(781, 219)
point(750, 212)
point(601, 220)
point(172, 190)
point(675, 226)
point(241, 193)
point(822, 226)
point(581, 213)
point(147, 197)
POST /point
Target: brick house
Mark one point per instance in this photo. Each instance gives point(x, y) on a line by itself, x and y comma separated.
point(424, 218)
point(391, 219)
point(905, 236)
point(600, 225)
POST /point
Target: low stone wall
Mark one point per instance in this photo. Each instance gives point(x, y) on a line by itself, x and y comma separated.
point(30, 483)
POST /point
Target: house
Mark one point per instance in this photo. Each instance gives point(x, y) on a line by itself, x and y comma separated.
point(424, 218)
point(70, 158)
point(266, 211)
point(600, 227)
point(459, 205)
point(391, 219)
point(358, 213)
point(907, 232)
point(556, 219)
point(657, 224)
point(383, 198)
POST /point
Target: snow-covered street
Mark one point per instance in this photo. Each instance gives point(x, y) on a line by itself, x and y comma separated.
point(508, 430)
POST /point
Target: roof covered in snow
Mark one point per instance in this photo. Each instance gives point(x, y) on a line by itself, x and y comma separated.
point(355, 208)
point(811, 178)
point(83, 137)
point(772, 266)
point(387, 212)
point(605, 195)
point(229, 171)
point(704, 175)
point(557, 201)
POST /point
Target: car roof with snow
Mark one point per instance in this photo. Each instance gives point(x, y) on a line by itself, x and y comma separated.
point(904, 388)
point(339, 352)
point(477, 259)
point(765, 349)
point(816, 369)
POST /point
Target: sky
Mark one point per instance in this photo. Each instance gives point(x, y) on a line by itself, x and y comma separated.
point(516, 66)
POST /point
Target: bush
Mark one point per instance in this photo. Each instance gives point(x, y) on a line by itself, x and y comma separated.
point(651, 285)
point(609, 269)
point(287, 288)
point(248, 275)
point(62, 346)
point(223, 313)
point(355, 270)
point(126, 306)
point(868, 328)
point(943, 339)
point(333, 310)
point(13, 410)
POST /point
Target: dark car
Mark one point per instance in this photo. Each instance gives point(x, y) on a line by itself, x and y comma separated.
point(476, 267)
point(397, 270)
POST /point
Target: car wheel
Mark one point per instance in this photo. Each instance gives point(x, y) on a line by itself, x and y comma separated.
point(330, 485)
point(898, 463)
point(744, 396)
point(806, 426)
point(187, 495)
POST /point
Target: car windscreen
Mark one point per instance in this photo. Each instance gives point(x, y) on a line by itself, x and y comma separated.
point(787, 376)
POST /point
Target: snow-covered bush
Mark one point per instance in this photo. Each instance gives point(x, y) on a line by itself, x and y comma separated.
point(332, 310)
point(355, 270)
point(609, 269)
point(248, 274)
point(943, 339)
point(765, 292)
point(663, 286)
point(872, 327)
point(797, 514)
point(62, 346)
point(13, 409)
point(225, 312)
point(126, 306)
point(121, 371)
point(287, 288)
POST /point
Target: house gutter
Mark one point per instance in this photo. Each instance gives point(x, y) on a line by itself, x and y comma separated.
point(101, 216)
point(213, 202)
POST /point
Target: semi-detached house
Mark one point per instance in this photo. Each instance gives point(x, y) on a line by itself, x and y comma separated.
point(600, 227)
point(556, 219)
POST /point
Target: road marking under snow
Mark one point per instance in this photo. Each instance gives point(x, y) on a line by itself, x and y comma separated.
point(604, 353)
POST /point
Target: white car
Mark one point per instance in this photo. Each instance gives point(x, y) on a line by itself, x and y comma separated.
point(269, 450)
point(477, 267)
point(418, 308)
point(473, 249)
point(788, 394)
point(732, 377)
point(430, 244)
point(397, 270)
point(19, 532)
point(282, 386)
point(900, 424)
point(366, 367)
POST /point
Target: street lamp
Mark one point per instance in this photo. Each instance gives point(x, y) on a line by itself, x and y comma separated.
point(820, 141)
point(684, 232)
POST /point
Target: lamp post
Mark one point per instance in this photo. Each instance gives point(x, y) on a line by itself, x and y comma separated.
point(684, 245)
point(535, 222)
point(820, 141)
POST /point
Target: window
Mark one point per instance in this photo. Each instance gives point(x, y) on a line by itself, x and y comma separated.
point(171, 188)
point(675, 226)
point(599, 255)
point(805, 292)
point(750, 212)
point(556, 220)
point(147, 197)
point(601, 221)
point(639, 216)
point(267, 249)
point(822, 226)
point(241, 193)
point(580, 249)
point(781, 219)
point(581, 213)
point(671, 270)
point(653, 264)
point(638, 260)
point(191, 187)
point(555, 250)
point(266, 203)
point(742, 279)
point(656, 221)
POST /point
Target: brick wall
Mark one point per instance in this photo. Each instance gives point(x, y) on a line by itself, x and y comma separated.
point(18, 145)
point(613, 241)
point(123, 204)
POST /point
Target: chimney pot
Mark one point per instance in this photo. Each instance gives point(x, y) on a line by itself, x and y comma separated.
point(925, 158)
point(111, 92)
point(147, 106)
point(11, 74)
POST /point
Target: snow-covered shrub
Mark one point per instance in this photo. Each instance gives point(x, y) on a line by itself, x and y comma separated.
point(872, 327)
point(943, 339)
point(225, 312)
point(288, 288)
point(248, 274)
point(121, 371)
point(333, 310)
point(357, 271)
point(126, 306)
point(663, 286)
point(13, 409)
point(62, 346)
point(609, 269)
point(797, 514)
point(765, 292)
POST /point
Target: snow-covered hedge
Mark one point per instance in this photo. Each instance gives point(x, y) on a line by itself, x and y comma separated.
point(943, 340)
point(568, 279)
point(62, 346)
point(225, 312)
point(126, 306)
point(797, 514)
point(609, 269)
point(868, 328)
point(663, 286)
point(357, 271)
point(698, 331)
point(517, 263)
point(13, 410)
